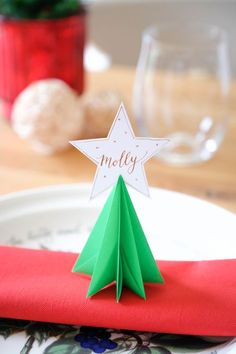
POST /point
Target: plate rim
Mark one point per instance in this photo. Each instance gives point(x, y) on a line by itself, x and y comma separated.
point(83, 186)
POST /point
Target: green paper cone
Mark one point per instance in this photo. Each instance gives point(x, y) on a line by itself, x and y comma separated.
point(117, 249)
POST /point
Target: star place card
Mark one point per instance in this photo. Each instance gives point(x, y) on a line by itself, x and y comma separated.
point(117, 250)
point(120, 154)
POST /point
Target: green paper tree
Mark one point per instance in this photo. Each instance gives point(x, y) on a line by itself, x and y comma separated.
point(117, 249)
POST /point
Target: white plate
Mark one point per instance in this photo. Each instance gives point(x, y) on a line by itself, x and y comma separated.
point(60, 217)
point(178, 227)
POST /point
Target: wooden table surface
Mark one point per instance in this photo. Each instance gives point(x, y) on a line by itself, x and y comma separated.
point(215, 180)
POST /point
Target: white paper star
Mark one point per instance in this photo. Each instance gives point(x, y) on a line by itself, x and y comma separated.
point(121, 153)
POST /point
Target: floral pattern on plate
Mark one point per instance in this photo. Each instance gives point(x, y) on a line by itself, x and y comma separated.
point(50, 338)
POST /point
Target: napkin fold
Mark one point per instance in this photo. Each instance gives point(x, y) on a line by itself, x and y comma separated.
point(197, 297)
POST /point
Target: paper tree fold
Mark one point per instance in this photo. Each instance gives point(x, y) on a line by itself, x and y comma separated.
point(117, 249)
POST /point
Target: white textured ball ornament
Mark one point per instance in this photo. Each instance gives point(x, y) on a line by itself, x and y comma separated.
point(48, 114)
point(99, 112)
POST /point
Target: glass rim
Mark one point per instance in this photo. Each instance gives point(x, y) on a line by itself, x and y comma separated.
point(186, 31)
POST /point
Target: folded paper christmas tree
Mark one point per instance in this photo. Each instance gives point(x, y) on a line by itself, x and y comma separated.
point(117, 249)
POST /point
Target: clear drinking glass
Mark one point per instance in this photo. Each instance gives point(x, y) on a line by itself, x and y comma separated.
point(182, 88)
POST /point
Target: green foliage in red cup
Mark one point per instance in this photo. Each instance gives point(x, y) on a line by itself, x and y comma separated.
point(39, 9)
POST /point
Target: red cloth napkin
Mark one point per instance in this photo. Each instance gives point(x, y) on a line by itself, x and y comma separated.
point(197, 297)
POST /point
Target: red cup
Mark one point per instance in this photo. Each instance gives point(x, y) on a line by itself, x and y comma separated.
point(32, 50)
